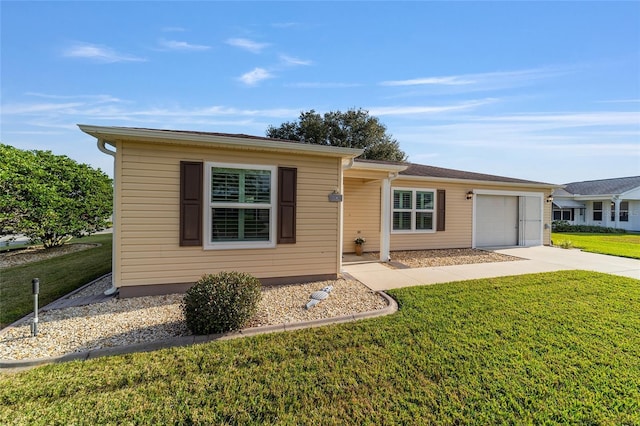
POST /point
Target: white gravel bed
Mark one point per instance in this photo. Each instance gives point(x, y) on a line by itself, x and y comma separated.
point(97, 287)
point(447, 257)
point(120, 322)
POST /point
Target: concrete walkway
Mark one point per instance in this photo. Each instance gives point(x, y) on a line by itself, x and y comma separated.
point(535, 259)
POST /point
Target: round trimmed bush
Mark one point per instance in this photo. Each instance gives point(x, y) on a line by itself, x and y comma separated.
point(221, 302)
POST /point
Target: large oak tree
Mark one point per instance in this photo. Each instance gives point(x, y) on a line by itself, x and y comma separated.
point(354, 128)
point(50, 198)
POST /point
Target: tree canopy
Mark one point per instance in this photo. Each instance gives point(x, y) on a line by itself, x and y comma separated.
point(354, 128)
point(50, 198)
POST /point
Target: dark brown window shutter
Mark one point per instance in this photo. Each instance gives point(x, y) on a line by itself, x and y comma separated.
point(287, 182)
point(440, 218)
point(191, 203)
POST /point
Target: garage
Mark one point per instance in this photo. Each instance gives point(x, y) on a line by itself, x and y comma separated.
point(502, 220)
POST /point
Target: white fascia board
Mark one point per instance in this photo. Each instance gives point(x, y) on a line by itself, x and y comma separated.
point(167, 136)
point(599, 197)
point(395, 168)
point(477, 181)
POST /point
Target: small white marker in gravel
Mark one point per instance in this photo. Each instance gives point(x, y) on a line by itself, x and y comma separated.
point(319, 295)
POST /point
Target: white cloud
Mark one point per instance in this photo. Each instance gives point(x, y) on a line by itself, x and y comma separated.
point(290, 60)
point(182, 45)
point(481, 81)
point(320, 85)
point(94, 98)
point(98, 53)
point(106, 107)
point(570, 119)
point(246, 44)
point(37, 108)
point(447, 81)
point(425, 109)
point(255, 76)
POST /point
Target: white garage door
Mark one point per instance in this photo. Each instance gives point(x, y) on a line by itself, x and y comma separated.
point(496, 221)
point(508, 220)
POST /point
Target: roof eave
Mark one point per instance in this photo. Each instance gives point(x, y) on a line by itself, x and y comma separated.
point(479, 181)
point(379, 167)
point(108, 133)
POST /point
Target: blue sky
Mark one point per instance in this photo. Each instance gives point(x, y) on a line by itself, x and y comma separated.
point(547, 91)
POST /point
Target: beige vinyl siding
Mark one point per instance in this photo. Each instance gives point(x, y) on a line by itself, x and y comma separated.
point(362, 212)
point(149, 218)
point(457, 233)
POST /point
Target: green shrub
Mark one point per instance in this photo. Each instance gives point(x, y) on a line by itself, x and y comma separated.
point(564, 226)
point(221, 302)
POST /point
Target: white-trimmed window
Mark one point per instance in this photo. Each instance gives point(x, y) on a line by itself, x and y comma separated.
point(241, 206)
point(413, 210)
point(597, 210)
point(624, 211)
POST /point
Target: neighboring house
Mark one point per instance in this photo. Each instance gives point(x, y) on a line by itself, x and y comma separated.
point(611, 203)
point(190, 203)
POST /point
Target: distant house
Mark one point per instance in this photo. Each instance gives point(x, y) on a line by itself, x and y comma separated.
point(611, 203)
point(190, 203)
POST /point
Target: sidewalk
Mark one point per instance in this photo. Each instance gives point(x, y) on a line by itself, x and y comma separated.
point(535, 259)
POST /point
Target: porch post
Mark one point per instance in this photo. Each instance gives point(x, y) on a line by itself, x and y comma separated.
point(616, 217)
point(385, 218)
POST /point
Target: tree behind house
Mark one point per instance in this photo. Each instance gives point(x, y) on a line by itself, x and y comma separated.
point(351, 129)
point(50, 198)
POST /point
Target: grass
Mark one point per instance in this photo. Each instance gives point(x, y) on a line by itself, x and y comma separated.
point(552, 348)
point(623, 245)
point(58, 276)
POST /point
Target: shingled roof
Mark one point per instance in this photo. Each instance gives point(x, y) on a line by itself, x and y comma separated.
point(422, 170)
point(603, 186)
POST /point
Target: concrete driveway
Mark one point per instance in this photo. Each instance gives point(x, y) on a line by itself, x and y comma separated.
point(535, 259)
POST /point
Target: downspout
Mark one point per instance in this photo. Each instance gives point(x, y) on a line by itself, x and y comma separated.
point(103, 148)
point(385, 217)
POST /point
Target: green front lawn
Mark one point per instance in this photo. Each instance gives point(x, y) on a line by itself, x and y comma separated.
point(536, 349)
point(58, 276)
point(623, 245)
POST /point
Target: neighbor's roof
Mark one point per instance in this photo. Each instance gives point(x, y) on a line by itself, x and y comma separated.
point(424, 171)
point(187, 137)
point(603, 186)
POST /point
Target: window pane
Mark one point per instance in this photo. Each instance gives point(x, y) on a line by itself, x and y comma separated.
point(225, 185)
point(597, 210)
point(402, 199)
point(240, 224)
point(257, 186)
point(255, 224)
point(556, 214)
point(566, 215)
point(424, 200)
point(401, 221)
point(424, 220)
point(624, 211)
point(225, 224)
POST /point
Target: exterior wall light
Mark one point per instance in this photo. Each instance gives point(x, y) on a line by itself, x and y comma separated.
point(550, 199)
point(469, 195)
